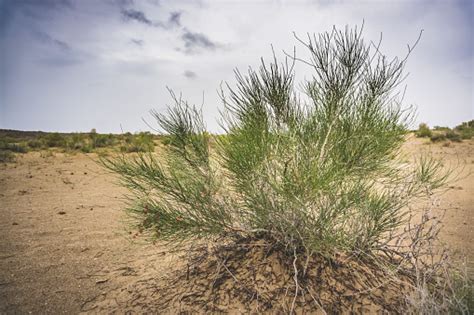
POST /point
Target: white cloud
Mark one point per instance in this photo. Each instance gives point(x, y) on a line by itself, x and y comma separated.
point(122, 68)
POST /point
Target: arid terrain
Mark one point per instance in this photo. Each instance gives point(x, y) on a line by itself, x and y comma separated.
point(65, 247)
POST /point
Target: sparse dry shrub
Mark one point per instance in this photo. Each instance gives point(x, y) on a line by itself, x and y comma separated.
point(438, 285)
point(314, 179)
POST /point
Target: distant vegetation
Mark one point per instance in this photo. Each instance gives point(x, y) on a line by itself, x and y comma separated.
point(461, 132)
point(12, 141)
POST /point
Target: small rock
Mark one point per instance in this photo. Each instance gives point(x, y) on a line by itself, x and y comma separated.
point(101, 281)
point(61, 212)
point(14, 223)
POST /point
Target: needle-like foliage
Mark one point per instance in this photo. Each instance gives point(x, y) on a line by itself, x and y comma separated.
point(317, 173)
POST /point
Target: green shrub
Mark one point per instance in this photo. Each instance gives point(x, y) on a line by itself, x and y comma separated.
point(314, 177)
point(6, 156)
point(453, 136)
point(86, 149)
point(423, 131)
point(102, 141)
point(14, 147)
point(74, 141)
point(35, 144)
point(166, 140)
point(466, 134)
point(466, 125)
point(141, 142)
point(437, 137)
point(466, 129)
point(54, 140)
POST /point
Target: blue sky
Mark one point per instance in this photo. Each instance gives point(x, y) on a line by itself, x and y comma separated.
point(70, 65)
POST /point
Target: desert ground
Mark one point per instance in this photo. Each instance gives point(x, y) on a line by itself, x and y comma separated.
point(65, 247)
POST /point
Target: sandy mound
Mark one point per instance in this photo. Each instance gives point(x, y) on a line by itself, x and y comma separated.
point(250, 277)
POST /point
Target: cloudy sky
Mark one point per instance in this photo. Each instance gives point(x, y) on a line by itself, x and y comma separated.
point(70, 65)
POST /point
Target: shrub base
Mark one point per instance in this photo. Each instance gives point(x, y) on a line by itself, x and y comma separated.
point(250, 276)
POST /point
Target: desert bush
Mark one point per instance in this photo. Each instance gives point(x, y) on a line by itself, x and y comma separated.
point(35, 144)
point(438, 137)
point(86, 148)
point(19, 147)
point(423, 131)
point(466, 125)
point(102, 141)
point(74, 141)
point(6, 156)
point(13, 147)
point(445, 133)
point(54, 140)
point(304, 174)
point(466, 129)
point(312, 177)
point(466, 134)
point(141, 142)
point(453, 136)
point(165, 140)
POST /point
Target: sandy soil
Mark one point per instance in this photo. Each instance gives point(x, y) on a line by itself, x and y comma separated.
point(457, 202)
point(64, 247)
